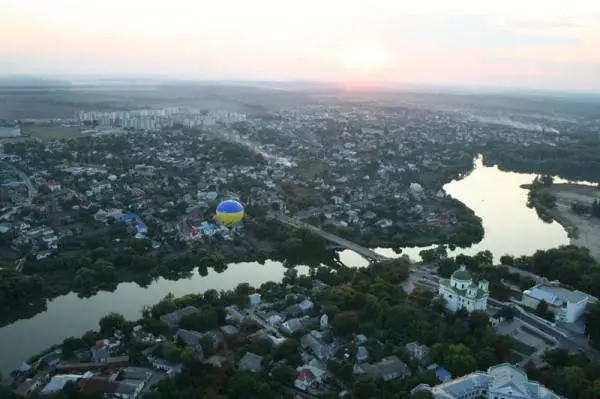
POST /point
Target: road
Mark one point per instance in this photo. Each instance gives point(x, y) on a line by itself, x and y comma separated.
point(365, 252)
point(32, 192)
point(566, 339)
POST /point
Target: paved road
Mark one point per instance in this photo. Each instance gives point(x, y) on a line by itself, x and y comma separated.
point(367, 253)
point(32, 191)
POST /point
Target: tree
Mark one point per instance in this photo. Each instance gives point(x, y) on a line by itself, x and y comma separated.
point(479, 321)
point(364, 387)
point(507, 313)
point(507, 260)
point(422, 394)
point(345, 323)
point(169, 351)
point(112, 322)
point(458, 358)
point(543, 311)
point(70, 345)
point(288, 350)
point(284, 374)
point(206, 319)
point(593, 325)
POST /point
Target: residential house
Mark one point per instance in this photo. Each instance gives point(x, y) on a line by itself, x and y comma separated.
point(229, 330)
point(418, 352)
point(51, 359)
point(99, 352)
point(304, 380)
point(251, 362)
point(254, 299)
point(168, 367)
point(123, 389)
point(387, 369)
point(58, 382)
point(233, 314)
point(362, 354)
point(292, 326)
point(31, 385)
point(189, 337)
point(174, 318)
point(313, 342)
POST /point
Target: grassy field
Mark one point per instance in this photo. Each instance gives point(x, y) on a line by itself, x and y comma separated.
point(50, 132)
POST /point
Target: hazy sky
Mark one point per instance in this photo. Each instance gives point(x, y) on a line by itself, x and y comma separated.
point(529, 43)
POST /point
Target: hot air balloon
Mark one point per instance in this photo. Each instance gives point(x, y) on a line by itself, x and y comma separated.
point(230, 212)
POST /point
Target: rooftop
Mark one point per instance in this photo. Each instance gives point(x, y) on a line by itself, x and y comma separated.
point(462, 274)
point(554, 295)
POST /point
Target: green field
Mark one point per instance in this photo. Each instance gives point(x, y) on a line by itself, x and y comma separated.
point(50, 132)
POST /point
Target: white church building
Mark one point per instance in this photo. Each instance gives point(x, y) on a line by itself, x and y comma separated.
point(460, 291)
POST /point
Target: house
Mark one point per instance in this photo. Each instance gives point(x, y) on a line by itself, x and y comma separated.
point(30, 385)
point(190, 338)
point(387, 369)
point(304, 380)
point(251, 362)
point(51, 359)
point(168, 367)
point(136, 373)
point(124, 389)
point(567, 305)
point(313, 342)
point(292, 326)
point(254, 299)
point(174, 318)
point(99, 352)
point(306, 305)
point(362, 354)
point(233, 314)
point(53, 185)
point(418, 352)
point(461, 292)
point(504, 381)
point(229, 330)
point(58, 382)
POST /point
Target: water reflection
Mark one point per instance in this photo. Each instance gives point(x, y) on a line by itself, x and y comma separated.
point(70, 315)
point(495, 196)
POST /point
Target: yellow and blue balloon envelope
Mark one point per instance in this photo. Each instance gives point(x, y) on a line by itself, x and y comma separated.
point(230, 212)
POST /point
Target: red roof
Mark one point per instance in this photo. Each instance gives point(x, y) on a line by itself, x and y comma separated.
point(53, 183)
point(305, 375)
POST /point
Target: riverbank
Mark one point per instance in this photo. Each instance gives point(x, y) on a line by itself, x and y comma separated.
point(583, 230)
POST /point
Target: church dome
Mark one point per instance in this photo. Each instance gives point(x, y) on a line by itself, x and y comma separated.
point(461, 274)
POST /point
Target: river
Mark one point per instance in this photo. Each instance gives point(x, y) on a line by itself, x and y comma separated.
point(495, 196)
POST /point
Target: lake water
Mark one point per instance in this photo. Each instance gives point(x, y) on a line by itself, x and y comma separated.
point(495, 196)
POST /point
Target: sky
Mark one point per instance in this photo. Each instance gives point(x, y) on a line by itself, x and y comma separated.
point(552, 44)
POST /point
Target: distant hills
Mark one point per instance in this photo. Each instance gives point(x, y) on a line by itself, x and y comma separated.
point(31, 81)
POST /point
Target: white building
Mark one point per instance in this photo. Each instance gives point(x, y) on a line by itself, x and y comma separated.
point(502, 381)
point(461, 292)
point(568, 306)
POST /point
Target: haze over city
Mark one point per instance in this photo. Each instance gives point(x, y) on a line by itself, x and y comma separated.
point(533, 44)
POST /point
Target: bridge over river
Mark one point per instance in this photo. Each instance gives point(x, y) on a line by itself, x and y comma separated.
point(370, 255)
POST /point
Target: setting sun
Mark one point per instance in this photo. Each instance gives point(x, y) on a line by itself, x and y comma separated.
point(367, 56)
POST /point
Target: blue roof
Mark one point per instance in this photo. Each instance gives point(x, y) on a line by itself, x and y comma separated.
point(128, 217)
point(544, 295)
point(230, 206)
point(442, 373)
